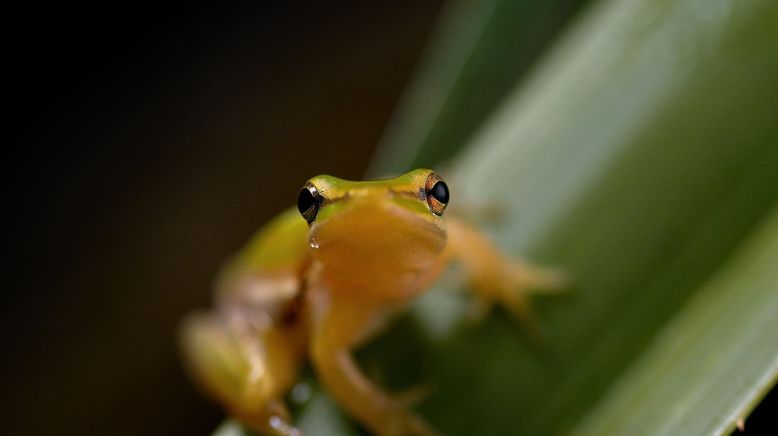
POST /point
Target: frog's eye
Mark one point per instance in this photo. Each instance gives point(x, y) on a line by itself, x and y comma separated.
point(308, 202)
point(437, 194)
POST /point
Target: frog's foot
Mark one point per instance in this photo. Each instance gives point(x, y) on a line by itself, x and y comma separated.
point(379, 412)
point(273, 420)
point(510, 283)
point(497, 278)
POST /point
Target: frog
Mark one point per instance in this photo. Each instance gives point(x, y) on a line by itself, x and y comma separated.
point(323, 278)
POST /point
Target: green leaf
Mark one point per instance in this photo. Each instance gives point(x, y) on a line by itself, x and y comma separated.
point(638, 156)
point(701, 375)
point(477, 52)
point(641, 156)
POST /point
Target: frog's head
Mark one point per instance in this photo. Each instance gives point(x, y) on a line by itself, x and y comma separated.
point(381, 233)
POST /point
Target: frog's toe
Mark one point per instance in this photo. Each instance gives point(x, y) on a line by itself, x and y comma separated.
point(540, 280)
point(520, 282)
point(273, 420)
point(405, 423)
point(413, 395)
point(518, 306)
point(477, 310)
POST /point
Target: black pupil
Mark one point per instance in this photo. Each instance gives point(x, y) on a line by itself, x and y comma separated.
point(305, 200)
point(440, 192)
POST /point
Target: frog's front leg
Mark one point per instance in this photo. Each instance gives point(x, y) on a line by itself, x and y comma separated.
point(496, 277)
point(340, 324)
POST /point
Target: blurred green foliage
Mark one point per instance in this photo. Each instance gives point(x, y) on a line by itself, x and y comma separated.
point(476, 55)
point(641, 156)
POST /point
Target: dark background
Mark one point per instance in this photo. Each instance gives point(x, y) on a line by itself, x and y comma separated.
point(147, 145)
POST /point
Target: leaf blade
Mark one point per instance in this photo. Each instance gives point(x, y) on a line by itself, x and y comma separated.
point(652, 398)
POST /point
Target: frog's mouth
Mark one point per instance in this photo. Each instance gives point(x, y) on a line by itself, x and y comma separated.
point(367, 221)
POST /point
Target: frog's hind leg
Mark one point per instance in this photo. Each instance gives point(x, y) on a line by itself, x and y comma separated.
point(245, 364)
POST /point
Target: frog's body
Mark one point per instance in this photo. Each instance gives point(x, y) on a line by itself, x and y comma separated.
point(318, 289)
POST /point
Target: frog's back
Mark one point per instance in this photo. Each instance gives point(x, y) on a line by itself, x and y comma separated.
point(267, 272)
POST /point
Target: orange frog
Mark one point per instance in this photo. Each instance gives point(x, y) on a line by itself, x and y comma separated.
point(319, 281)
